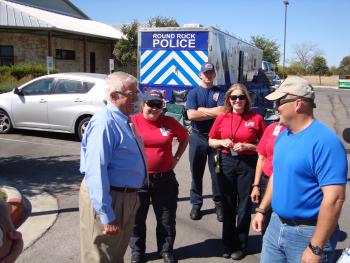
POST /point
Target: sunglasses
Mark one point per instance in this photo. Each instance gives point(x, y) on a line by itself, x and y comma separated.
point(240, 97)
point(154, 104)
point(129, 94)
point(284, 101)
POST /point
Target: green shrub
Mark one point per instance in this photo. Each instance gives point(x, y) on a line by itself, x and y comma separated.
point(3, 196)
point(16, 75)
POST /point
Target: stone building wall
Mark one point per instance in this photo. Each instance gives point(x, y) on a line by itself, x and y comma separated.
point(32, 48)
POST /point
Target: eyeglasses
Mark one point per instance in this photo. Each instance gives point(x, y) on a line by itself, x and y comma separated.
point(154, 104)
point(284, 101)
point(129, 94)
point(240, 97)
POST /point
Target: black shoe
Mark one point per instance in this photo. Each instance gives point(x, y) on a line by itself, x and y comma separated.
point(139, 258)
point(219, 213)
point(238, 255)
point(168, 257)
point(196, 214)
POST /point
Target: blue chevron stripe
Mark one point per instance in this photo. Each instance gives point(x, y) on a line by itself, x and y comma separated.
point(150, 70)
point(179, 67)
point(176, 78)
point(159, 74)
point(150, 56)
point(188, 62)
point(198, 58)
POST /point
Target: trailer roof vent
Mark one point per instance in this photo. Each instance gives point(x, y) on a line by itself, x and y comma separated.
point(193, 25)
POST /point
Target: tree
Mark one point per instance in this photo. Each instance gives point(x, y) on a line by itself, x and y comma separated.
point(269, 47)
point(125, 50)
point(344, 67)
point(319, 66)
point(305, 54)
point(160, 21)
point(295, 69)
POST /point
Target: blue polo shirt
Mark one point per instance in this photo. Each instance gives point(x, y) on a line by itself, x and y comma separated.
point(109, 157)
point(303, 163)
point(207, 98)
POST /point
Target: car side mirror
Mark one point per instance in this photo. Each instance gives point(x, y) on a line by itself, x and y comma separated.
point(17, 91)
point(346, 135)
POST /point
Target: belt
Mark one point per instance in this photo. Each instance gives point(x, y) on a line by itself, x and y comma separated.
point(201, 133)
point(123, 189)
point(161, 174)
point(290, 222)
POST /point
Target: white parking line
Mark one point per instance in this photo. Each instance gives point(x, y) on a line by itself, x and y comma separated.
point(48, 144)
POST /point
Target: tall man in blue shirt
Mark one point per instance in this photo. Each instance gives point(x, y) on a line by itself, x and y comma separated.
point(114, 167)
point(307, 188)
point(203, 104)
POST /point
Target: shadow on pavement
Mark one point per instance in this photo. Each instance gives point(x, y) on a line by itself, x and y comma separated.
point(207, 249)
point(59, 211)
point(55, 174)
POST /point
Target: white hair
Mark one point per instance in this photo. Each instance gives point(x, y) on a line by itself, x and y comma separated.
point(114, 82)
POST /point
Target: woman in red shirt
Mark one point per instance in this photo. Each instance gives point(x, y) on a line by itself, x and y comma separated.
point(263, 169)
point(157, 132)
point(236, 132)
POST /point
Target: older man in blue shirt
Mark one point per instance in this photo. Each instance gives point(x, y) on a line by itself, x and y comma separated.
point(114, 167)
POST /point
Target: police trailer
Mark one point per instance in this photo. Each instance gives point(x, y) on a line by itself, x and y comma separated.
point(170, 58)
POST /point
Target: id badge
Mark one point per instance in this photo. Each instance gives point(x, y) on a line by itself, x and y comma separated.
point(277, 130)
point(233, 153)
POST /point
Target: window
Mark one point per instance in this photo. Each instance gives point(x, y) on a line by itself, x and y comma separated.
point(39, 87)
point(64, 86)
point(65, 54)
point(6, 55)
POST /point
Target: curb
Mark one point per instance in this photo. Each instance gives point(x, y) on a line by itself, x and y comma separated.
point(17, 209)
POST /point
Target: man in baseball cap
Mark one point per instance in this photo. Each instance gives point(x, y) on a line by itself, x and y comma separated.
point(207, 67)
point(204, 103)
point(307, 188)
point(296, 86)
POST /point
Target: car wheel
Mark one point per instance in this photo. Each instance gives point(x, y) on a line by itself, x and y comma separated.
point(82, 126)
point(5, 122)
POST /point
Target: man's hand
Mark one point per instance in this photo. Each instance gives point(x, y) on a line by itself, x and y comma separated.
point(16, 249)
point(111, 229)
point(309, 257)
point(258, 222)
point(255, 195)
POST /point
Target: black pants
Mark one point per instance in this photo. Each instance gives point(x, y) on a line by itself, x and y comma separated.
point(163, 192)
point(199, 152)
point(236, 184)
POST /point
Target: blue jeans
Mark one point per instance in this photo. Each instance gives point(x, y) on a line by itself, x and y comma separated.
point(199, 152)
point(284, 243)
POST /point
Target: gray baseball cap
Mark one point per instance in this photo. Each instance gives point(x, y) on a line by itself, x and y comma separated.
point(294, 85)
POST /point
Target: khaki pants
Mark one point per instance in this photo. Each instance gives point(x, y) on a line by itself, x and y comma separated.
point(94, 245)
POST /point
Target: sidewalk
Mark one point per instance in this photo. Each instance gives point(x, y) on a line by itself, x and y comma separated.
point(41, 210)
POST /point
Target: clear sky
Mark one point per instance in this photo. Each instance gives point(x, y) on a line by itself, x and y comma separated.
point(324, 23)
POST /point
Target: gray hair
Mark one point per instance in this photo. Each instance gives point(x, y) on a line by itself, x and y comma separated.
point(114, 82)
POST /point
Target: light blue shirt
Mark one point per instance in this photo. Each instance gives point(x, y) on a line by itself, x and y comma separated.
point(110, 157)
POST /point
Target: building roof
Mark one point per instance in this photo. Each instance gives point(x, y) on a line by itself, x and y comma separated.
point(13, 15)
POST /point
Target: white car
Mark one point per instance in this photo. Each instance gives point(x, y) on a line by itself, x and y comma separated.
point(61, 102)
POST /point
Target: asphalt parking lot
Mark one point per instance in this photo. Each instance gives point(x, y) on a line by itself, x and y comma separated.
point(41, 161)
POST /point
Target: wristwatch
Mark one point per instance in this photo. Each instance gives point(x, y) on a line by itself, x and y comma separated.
point(316, 250)
point(255, 185)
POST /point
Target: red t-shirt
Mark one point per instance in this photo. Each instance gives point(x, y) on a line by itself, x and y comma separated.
point(244, 128)
point(157, 137)
point(266, 145)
